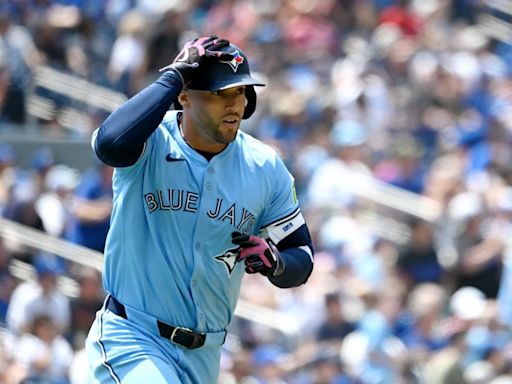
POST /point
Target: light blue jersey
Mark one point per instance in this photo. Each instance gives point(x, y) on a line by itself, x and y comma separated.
point(169, 253)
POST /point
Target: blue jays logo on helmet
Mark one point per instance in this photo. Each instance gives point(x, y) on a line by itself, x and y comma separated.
point(215, 75)
point(235, 62)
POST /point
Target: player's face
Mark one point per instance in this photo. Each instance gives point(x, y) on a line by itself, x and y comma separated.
point(216, 116)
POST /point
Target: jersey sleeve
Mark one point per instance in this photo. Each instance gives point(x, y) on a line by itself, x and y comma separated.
point(285, 226)
point(283, 215)
point(120, 139)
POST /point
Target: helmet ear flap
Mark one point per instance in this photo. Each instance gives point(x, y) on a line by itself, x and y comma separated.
point(177, 105)
point(250, 107)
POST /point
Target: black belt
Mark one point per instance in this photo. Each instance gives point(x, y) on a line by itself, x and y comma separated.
point(178, 335)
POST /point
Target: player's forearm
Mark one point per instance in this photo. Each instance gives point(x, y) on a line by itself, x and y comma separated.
point(298, 265)
point(92, 211)
point(120, 139)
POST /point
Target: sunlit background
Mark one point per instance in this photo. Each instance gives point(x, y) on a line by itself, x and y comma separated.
point(395, 118)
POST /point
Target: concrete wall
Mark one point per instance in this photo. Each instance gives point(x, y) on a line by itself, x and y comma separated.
point(74, 152)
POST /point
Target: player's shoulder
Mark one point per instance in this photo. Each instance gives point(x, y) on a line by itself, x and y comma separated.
point(256, 150)
point(170, 120)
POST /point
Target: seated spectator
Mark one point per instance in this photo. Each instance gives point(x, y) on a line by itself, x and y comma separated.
point(34, 298)
point(335, 326)
point(419, 323)
point(18, 62)
point(91, 209)
point(327, 369)
point(418, 260)
point(53, 205)
point(480, 254)
point(267, 365)
point(7, 282)
point(43, 159)
point(85, 306)
point(45, 354)
point(7, 173)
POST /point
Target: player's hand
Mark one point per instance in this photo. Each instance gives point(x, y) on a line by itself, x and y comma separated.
point(194, 52)
point(259, 255)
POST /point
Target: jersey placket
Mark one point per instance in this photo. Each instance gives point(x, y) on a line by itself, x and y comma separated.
point(208, 187)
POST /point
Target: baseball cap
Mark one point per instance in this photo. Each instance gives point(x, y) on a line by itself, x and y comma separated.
point(348, 133)
point(7, 154)
point(267, 354)
point(47, 264)
point(62, 177)
point(42, 159)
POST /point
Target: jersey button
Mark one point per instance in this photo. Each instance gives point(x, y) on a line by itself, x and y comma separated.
point(208, 186)
point(197, 245)
point(194, 283)
point(211, 171)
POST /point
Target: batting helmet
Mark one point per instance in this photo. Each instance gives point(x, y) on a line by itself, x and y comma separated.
point(216, 75)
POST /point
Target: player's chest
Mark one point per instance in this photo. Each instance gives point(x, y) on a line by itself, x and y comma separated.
point(210, 193)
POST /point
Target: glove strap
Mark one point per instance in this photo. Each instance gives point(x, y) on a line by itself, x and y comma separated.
point(279, 260)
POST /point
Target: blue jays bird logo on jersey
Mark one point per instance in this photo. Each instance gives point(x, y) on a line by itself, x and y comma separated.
point(229, 258)
point(235, 61)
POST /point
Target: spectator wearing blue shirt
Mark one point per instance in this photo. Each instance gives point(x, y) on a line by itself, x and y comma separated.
point(91, 209)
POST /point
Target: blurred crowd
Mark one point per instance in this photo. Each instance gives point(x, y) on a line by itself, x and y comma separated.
point(395, 116)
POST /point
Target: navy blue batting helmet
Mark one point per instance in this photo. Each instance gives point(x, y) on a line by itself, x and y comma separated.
point(216, 75)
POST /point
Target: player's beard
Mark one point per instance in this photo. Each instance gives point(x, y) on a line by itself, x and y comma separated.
point(220, 133)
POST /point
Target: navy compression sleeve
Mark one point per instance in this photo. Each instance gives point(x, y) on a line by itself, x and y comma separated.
point(298, 263)
point(121, 137)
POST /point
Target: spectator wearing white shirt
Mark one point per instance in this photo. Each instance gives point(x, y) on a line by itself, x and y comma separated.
point(44, 353)
point(33, 298)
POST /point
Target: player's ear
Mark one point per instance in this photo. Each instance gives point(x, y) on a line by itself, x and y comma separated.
point(184, 97)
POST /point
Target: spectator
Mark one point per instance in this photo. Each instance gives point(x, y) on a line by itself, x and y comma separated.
point(41, 297)
point(45, 354)
point(7, 282)
point(446, 366)
point(418, 261)
point(480, 256)
point(128, 52)
point(20, 208)
point(327, 369)
point(333, 183)
point(377, 326)
point(91, 209)
point(84, 307)
point(431, 90)
point(20, 57)
point(420, 322)
point(7, 174)
point(43, 159)
point(267, 365)
point(335, 326)
point(11, 372)
point(53, 204)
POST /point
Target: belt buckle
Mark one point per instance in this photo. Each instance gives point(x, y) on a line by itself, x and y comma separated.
point(180, 329)
point(196, 339)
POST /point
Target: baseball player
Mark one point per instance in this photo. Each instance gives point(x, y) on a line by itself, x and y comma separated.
point(197, 203)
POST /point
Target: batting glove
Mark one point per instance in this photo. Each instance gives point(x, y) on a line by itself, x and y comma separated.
point(194, 52)
point(259, 255)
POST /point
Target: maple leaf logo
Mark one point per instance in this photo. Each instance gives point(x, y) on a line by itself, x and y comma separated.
point(235, 61)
